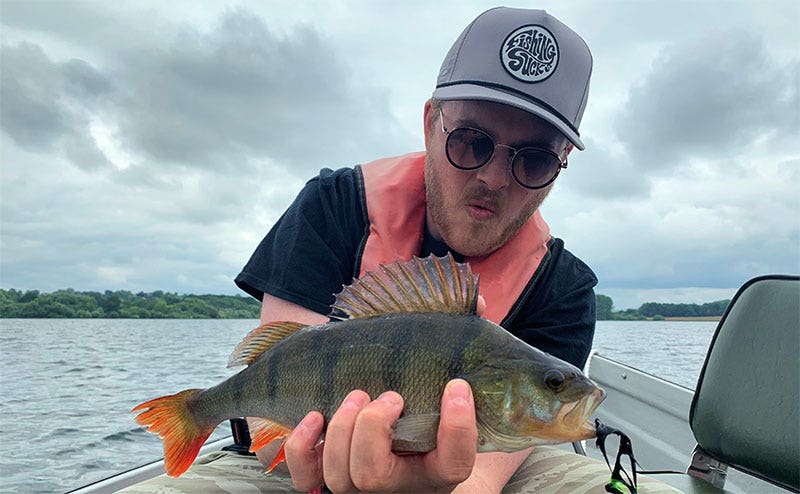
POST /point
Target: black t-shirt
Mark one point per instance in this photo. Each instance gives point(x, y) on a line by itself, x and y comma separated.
point(312, 251)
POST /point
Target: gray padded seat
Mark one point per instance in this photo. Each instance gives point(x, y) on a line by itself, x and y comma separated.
point(745, 407)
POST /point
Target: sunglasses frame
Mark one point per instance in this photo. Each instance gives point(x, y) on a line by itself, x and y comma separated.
point(561, 163)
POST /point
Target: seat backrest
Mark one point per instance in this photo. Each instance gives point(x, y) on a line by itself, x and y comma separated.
point(745, 408)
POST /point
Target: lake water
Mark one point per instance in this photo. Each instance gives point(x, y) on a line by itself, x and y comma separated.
point(68, 385)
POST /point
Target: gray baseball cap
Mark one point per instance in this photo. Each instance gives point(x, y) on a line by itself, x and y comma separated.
point(524, 58)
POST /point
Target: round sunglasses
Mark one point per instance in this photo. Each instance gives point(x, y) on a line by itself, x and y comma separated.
point(468, 148)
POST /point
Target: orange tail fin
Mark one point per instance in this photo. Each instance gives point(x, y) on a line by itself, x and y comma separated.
point(171, 419)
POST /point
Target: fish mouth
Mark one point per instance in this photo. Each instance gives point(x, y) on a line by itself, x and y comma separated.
point(575, 416)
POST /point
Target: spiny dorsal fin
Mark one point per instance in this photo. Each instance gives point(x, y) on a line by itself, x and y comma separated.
point(433, 284)
point(260, 340)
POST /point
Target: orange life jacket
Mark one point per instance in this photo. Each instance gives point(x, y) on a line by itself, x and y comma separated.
point(394, 194)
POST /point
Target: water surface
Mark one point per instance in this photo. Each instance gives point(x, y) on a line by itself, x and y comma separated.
point(69, 384)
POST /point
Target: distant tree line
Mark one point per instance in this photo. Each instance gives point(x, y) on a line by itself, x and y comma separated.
point(124, 304)
point(160, 305)
point(655, 310)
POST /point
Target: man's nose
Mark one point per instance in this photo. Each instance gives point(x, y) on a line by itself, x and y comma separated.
point(496, 173)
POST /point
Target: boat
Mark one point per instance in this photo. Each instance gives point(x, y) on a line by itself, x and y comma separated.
point(737, 432)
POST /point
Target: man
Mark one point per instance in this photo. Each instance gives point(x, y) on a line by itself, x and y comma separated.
point(503, 118)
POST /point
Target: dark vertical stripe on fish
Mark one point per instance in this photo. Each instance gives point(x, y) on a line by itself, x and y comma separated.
point(271, 385)
point(326, 392)
point(460, 346)
point(238, 393)
point(394, 373)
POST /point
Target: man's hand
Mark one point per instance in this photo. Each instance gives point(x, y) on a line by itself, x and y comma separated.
point(357, 455)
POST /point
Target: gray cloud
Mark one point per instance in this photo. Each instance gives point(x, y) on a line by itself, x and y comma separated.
point(29, 86)
point(66, 19)
point(240, 90)
point(709, 97)
point(84, 81)
point(43, 104)
point(213, 130)
point(604, 174)
point(212, 99)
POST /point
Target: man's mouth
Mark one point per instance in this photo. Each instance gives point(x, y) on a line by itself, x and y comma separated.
point(482, 210)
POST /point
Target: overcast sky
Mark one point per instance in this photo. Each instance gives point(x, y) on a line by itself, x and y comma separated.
point(150, 145)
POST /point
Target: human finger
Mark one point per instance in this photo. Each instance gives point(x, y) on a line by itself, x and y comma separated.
point(302, 457)
point(336, 457)
point(454, 457)
point(372, 463)
point(481, 306)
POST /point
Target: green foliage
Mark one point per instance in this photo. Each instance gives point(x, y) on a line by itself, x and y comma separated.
point(160, 305)
point(657, 311)
point(627, 315)
point(604, 307)
point(123, 304)
point(651, 309)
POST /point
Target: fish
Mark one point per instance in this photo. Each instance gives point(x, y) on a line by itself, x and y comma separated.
point(409, 327)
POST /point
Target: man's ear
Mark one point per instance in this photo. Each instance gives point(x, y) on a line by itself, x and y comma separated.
point(428, 116)
point(568, 149)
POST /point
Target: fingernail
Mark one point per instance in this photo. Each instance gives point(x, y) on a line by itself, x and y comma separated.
point(309, 422)
point(390, 397)
point(353, 400)
point(458, 392)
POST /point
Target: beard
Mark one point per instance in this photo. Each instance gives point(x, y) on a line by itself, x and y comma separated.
point(465, 235)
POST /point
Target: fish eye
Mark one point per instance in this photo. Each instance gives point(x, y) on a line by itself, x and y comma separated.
point(555, 380)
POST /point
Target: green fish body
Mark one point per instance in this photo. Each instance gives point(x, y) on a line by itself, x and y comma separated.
point(407, 327)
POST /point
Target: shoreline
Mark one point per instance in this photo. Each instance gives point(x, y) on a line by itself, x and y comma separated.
point(691, 318)
point(671, 318)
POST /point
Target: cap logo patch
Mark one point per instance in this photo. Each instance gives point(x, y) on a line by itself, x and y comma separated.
point(530, 53)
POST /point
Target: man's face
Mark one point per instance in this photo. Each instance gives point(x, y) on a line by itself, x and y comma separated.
point(475, 212)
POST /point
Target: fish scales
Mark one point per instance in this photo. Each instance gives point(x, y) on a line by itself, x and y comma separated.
point(414, 346)
point(413, 354)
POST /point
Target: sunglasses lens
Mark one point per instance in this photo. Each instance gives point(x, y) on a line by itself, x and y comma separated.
point(535, 167)
point(469, 148)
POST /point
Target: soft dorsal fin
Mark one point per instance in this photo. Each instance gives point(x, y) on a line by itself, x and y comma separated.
point(433, 284)
point(260, 340)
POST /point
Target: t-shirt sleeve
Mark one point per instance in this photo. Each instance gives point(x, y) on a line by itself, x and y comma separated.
point(308, 254)
point(559, 315)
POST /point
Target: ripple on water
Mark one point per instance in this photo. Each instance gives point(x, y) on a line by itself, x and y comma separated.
point(129, 435)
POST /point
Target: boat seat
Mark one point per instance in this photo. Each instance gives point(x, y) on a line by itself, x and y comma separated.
point(744, 412)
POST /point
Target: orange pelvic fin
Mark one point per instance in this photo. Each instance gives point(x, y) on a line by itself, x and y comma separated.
point(264, 431)
point(281, 456)
point(170, 418)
